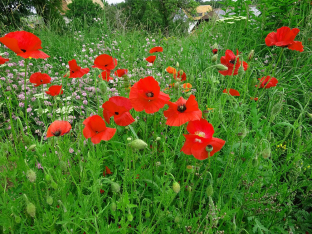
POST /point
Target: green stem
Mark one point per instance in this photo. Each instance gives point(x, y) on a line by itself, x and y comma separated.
point(25, 81)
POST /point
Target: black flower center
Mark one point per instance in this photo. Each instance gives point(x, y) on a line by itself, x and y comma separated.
point(57, 133)
point(150, 94)
point(232, 61)
point(41, 81)
point(182, 108)
point(23, 50)
point(116, 113)
point(72, 71)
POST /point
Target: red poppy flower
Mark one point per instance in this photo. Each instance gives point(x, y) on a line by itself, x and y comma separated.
point(267, 82)
point(182, 111)
point(283, 37)
point(105, 75)
point(232, 92)
point(229, 60)
point(105, 62)
point(75, 70)
point(181, 75)
point(39, 78)
point(3, 60)
point(151, 59)
point(107, 171)
point(119, 108)
point(146, 95)
point(215, 51)
point(121, 72)
point(58, 128)
point(55, 90)
point(199, 141)
point(171, 70)
point(187, 87)
point(95, 128)
point(156, 49)
point(102, 191)
point(24, 44)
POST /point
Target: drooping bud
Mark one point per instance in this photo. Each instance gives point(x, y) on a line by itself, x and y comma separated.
point(63, 165)
point(113, 206)
point(251, 54)
point(31, 209)
point(17, 219)
point(147, 214)
point(215, 46)
point(266, 153)
point(47, 177)
point(130, 217)
point(177, 65)
point(241, 71)
point(189, 169)
point(188, 94)
point(115, 187)
point(298, 131)
point(209, 190)
point(30, 148)
point(176, 85)
point(275, 110)
point(209, 148)
point(214, 58)
point(177, 219)
point(138, 144)
point(176, 187)
point(31, 175)
point(189, 189)
point(54, 185)
point(158, 138)
point(221, 67)
point(255, 162)
point(50, 200)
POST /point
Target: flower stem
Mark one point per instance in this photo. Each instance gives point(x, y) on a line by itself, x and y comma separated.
point(25, 80)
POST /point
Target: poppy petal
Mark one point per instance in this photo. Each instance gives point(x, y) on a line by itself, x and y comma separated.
point(296, 45)
point(105, 135)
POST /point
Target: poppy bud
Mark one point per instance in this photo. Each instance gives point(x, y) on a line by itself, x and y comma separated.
point(205, 114)
point(255, 162)
point(138, 144)
point(103, 87)
point(31, 209)
point(63, 165)
point(113, 206)
point(177, 219)
point(17, 219)
point(189, 189)
point(176, 187)
point(147, 214)
point(215, 46)
point(47, 177)
point(209, 148)
point(158, 138)
point(40, 111)
point(50, 200)
point(209, 190)
point(309, 115)
point(115, 187)
point(221, 67)
point(298, 132)
point(130, 217)
point(54, 185)
point(189, 169)
point(31, 175)
point(276, 109)
point(180, 204)
point(176, 85)
point(251, 54)
point(177, 64)
point(188, 94)
point(266, 153)
point(31, 147)
point(240, 71)
point(26, 139)
point(129, 139)
point(214, 58)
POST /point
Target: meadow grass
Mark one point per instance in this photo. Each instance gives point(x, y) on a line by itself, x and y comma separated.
point(260, 181)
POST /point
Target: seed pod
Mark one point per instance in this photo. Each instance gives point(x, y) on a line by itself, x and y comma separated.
point(214, 58)
point(31, 209)
point(50, 200)
point(176, 187)
point(113, 206)
point(31, 175)
point(221, 67)
point(209, 190)
point(138, 144)
point(130, 217)
point(209, 148)
point(115, 187)
point(189, 169)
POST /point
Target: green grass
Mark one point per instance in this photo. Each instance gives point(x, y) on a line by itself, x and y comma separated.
point(261, 178)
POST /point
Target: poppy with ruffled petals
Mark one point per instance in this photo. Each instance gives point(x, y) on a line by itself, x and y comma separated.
point(171, 70)
point(121, 72)
point(105, 62)
point(24, 44)
point(187, 87)
point(267, 82)
point(39, 78)
point(215, 51)
point(284, 37)
point(199, 142)
point(232, 92)
point(229, 60)
point(151, 59)
point(156, 49)
point(95, 128)
point(182, 111)
point(75, 70)
point(118, 107)
point(3, 60)
point(105, 75)
point(58, 128)
point(55, 90)
point(146, 95)
point(181, 75)
point(107, 171)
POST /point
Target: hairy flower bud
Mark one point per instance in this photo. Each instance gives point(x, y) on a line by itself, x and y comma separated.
point(50, 200)
point(113, 206)
point(115, 187)
point(17, 219)
point(177, 65)
point(251, 54)
point(189, 189)
point(177, 219)
point(255, 162)
point(176, 187)
point(138, 144)
point(31, 209)
point(47, 177)
point(63, 165)
point(266, 153)
point(147, 214)
point(214, 58)
point(31, 175)
point(240, 71)
point(209, 190)
point(221, 67)
point(30, 148)
point(176, 85)
point(130, 217)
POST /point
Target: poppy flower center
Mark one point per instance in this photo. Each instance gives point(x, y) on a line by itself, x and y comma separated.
point(182, 108)
point(72, 71)
point(116, 113)
point(232, 61)
point(200, 134)
point(57, 133)
point(41, 81)
point(150, 94)
point(23, 50)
